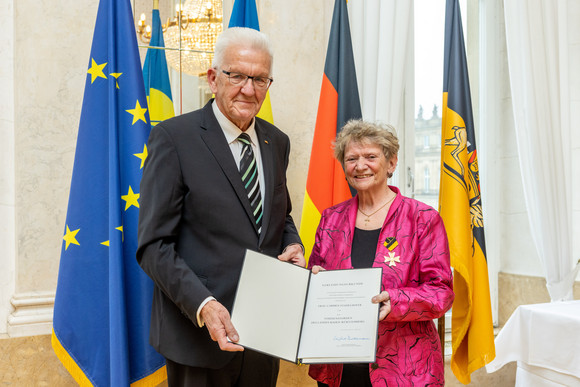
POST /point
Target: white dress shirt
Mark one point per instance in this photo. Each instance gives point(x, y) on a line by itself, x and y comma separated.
point(231, 131)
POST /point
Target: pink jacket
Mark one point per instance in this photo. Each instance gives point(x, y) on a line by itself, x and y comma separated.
point(414, 254)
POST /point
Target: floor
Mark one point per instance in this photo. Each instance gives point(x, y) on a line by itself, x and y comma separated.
point(30, 361)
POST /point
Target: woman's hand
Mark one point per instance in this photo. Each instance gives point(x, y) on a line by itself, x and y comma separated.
point(384, 299)
point(316, 269)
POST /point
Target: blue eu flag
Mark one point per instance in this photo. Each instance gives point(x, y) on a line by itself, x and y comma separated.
point(103, 298)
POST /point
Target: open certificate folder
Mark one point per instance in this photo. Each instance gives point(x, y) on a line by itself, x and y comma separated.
point(286, 311)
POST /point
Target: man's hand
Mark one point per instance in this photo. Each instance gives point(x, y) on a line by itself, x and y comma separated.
point(293, 254)
point(385, 300)
point(217, 320)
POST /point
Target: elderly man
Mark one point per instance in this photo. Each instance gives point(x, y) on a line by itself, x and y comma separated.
point(214, 185)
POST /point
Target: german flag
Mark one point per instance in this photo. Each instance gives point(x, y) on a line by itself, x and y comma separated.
point(461, 210)
point(339, 102)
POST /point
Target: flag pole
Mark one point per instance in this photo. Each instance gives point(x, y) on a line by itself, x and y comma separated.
point(441, 330)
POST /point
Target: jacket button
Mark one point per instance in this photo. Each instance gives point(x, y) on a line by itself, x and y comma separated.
point(374, 366)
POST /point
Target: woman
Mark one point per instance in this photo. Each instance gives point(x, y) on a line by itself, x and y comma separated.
point(379, 227)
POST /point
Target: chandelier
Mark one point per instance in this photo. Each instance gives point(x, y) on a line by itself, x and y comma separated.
point(197, 23)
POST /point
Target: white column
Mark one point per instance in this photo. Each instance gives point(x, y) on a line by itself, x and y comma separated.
point(7, 184)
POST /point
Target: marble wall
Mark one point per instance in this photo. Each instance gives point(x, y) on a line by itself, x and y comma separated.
point(50, 60)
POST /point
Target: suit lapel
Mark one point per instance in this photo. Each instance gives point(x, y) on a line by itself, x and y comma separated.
point(213, 136)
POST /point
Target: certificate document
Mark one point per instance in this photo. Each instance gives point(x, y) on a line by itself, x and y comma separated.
point(283, 310)
point(340, 322)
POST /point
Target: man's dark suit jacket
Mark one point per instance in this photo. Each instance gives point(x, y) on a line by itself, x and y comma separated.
point(195, 223)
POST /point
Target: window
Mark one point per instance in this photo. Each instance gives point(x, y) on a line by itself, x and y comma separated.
point(429, 42)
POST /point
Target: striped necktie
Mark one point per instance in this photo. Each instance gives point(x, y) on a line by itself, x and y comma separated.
point(249, 172)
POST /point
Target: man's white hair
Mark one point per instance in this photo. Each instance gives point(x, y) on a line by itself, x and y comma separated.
point(242, 37)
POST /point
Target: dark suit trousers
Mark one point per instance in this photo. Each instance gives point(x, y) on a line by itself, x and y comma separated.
point(247, 369)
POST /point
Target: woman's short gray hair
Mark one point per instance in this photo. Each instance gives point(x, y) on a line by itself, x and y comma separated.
point(364, 132)
point(243, 37)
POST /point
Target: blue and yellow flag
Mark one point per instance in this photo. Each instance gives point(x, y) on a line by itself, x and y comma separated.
point(339, 102)
point(103, 298)
point(245, 14)
point(156, 75)
point(461, 210)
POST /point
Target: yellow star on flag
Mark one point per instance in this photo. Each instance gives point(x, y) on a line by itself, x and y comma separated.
point(120, 228)
point(96, 70)
point(138, 113)
point(392, 259)
point(131, 199)
point(70, 237)
point(116, 76)
point(142, 156)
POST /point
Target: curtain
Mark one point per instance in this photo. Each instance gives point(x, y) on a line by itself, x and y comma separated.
point(382, 36)
point(537, 48)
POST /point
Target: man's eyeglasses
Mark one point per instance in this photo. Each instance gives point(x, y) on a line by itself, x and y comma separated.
point(238, 79)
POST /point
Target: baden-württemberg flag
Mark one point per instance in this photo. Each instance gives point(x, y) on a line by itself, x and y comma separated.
point(245, 14)
point(339, 102)
point(103, 298)
point(156, 75)
point(461, 210)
